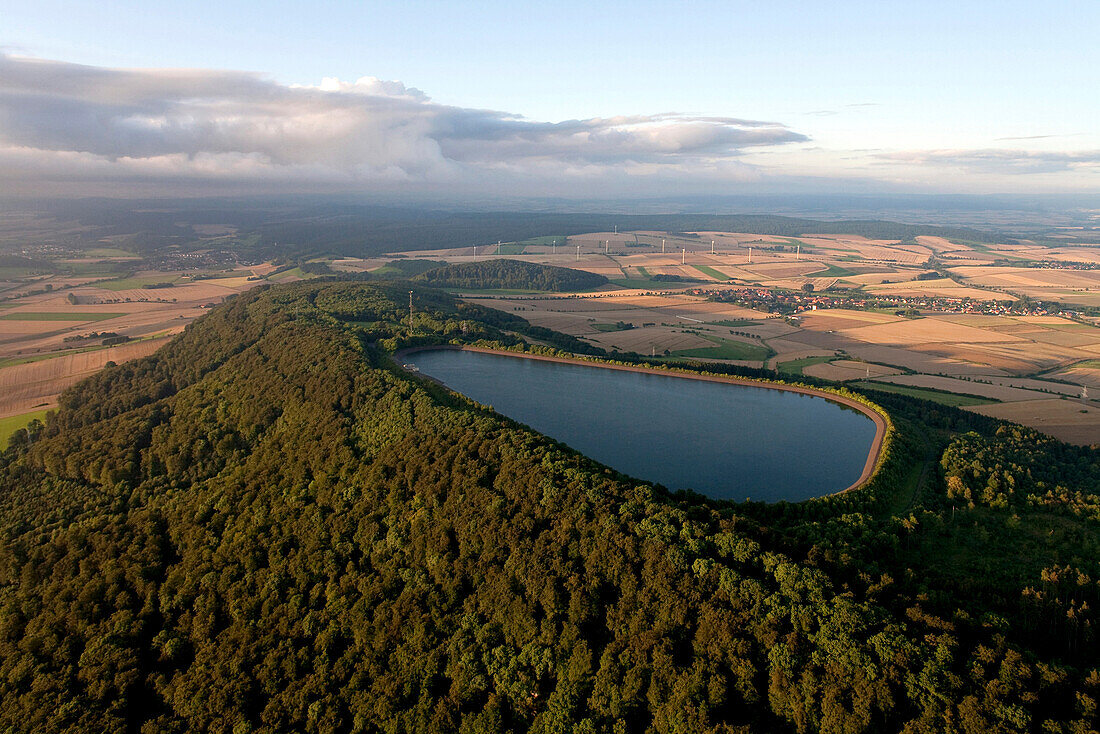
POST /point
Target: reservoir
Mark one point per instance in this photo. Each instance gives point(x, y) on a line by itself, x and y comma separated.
point(723, 440)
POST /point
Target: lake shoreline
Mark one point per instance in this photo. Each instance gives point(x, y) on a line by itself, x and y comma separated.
point(877, 418)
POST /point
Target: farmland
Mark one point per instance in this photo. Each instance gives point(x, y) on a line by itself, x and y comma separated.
point(998, 326)
point(991, 327)
point(56, 329)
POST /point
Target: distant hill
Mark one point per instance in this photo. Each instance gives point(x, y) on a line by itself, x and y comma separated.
point(407, 268)
point(511, 274)
point(309, 228)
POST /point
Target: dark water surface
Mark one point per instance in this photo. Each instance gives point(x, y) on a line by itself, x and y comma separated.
point(725, 441)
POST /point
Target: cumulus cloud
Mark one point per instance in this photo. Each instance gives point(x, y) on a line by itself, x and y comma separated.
point(1000, 160)
point(67, 122)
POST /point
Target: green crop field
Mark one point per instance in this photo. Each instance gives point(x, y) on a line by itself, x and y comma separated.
point(13, 423)
point(795, 366)
point(936, 396)
point(108, 252)
point(126, 284)
point(509, 248)
point(642, 283)
point(58, 316)
point(16, 273)
point(607, 327)
point(734, 322)
point(832, 271)
point(727, 349)
point(292, 273)
point(708, 270)
point(547, 240)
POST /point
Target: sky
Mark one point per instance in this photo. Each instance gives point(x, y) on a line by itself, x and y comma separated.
point(494, 99)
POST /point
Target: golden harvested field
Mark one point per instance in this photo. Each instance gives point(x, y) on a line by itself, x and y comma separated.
point(1033, 277)
point(918, 361)
point(969, 387)
point(846, 369)
point(1002, 350)
point(1068, 420)
point(838, 318)
point(1039, 385)
point(876, 278)
point(575, 315)
point(650, 339)
point(909, 332)
point(25, 387)
point(791, 352)
point(135, 312)
point(892, 253)
point(1069, 254)
point(938, 287)
point(782, 269)
point(940, 244)
point(22, 328)
point(1085, 373)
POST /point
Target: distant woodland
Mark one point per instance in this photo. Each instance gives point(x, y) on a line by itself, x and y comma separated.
point(268, 526)
point(510, 274)
point(301, 229)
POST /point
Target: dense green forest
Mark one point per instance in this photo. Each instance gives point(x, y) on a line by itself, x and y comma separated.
point(510, 274)
point(268, 526)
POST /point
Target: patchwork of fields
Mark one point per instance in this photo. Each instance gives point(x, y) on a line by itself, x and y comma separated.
point(957, 343)
point(56, 330)
point(982, 357)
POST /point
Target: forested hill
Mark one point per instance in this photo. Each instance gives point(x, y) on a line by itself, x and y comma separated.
point(304, 228)
point(269, 527)
point(510, 274)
